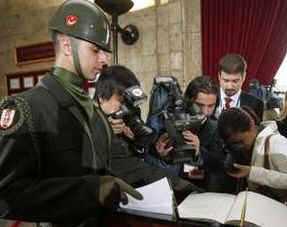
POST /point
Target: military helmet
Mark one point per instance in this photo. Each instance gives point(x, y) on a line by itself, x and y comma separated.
point(82, 19)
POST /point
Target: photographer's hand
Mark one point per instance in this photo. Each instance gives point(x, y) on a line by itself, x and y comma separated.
point(128, 132)
point(243, 171)
point(163, 146)
point(117, 125)
point(192, 139)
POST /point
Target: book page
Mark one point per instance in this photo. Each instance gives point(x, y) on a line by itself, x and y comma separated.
point(208, 206)
point(158, 198)
point(261, 210)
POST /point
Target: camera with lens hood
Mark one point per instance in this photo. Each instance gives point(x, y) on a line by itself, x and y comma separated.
point(130, 113)
point(235, 153)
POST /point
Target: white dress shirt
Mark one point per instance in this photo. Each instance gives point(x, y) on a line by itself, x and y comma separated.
point(234, 103)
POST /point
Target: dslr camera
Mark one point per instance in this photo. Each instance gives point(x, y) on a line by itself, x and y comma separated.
point(236, 153)
point(179, 117)
point(130, 113)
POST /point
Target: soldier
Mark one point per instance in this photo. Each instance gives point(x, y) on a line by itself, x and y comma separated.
point(54, 141)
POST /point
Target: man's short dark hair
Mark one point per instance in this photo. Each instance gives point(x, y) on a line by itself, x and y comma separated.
point(232, 64)
point(114, 80)
point(202, 84)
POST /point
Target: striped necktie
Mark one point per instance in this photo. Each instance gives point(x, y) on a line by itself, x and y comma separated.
point(228, 100)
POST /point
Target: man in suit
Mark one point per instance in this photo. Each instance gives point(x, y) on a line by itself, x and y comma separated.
point(231, 76)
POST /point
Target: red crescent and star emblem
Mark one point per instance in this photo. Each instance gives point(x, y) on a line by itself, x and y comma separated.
point(71, 20)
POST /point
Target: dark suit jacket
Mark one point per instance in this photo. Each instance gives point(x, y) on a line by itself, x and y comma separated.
point(256, 104)
point(248, 100)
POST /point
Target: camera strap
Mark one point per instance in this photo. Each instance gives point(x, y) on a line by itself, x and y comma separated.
point(266, 152)
point(277, 194)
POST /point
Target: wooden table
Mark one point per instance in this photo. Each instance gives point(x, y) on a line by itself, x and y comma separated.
point(118, 219)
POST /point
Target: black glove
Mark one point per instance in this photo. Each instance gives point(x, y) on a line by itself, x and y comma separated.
point(112, 191)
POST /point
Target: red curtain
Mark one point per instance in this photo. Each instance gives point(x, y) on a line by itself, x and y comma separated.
point(255, 29)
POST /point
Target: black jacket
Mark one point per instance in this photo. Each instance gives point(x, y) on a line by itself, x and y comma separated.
point(57, 179)
point(213, 156)
point(248, 100)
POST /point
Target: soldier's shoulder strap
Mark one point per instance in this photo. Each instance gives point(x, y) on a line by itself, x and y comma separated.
point(106, 123)
point(108, 130)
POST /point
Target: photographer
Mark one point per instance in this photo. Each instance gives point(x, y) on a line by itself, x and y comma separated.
point(208, 151)
point(127, 158)
point(262, 157)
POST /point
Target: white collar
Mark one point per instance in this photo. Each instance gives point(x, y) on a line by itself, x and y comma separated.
point(235, 98)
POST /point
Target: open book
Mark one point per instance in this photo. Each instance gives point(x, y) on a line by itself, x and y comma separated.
point(227, 209)
point(157, 201)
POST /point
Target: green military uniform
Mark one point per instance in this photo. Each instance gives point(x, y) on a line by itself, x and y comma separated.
point(50, 158)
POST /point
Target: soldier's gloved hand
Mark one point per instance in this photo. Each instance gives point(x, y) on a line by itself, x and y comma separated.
point(112, 191)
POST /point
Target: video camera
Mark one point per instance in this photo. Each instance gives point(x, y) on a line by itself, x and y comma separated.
point(268, 94)
point(273, 99)
point(178, 117)
point(130, 113)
